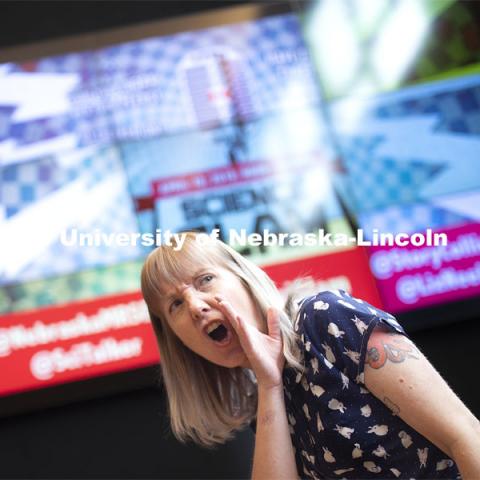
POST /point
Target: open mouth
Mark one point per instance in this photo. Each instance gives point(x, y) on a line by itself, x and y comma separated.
point(219, 333)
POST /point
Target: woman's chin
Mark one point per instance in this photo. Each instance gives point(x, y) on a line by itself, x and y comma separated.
point(238, 361)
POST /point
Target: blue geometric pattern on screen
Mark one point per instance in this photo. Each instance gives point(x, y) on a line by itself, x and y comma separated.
point(379, 181)
point(413, 145)
point(133, 90)
point(28, 182)
point(459, 111)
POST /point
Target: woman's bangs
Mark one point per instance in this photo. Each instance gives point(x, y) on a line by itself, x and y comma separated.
point(177, 267)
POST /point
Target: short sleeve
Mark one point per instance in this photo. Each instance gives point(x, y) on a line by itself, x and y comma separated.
point(338, 326)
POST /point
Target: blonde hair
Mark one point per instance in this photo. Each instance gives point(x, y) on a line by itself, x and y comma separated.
point(208, 403)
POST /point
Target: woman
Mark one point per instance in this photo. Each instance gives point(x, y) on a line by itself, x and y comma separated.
point(337, 389)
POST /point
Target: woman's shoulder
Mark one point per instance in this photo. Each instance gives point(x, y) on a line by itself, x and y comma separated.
point(336, 325)
point(330, 303)
point(336, 312)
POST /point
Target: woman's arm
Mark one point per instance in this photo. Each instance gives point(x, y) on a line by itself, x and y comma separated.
point(273, 457)
point(466, 453)
point(400, 375)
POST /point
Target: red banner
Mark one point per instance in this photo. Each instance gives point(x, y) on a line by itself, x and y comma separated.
point(233, 175)
point(73, 342)
point(346, 270)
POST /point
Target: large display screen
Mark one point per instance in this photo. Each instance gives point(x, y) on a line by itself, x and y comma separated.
point(241, 129)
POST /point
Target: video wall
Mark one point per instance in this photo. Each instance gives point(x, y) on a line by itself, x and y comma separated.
point(405, 113)
point(245, 126)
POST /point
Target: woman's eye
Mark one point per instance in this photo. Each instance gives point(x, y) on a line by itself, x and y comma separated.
point(176, 303)
point(206, 279)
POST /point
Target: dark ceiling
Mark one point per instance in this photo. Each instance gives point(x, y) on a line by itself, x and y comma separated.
point(23, 22)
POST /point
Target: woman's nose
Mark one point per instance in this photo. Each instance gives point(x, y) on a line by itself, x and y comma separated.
point(197, 305)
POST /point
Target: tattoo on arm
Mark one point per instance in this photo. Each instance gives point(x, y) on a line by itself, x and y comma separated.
point(389, 346)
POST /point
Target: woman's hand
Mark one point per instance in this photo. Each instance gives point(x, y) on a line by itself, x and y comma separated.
point(263, 351)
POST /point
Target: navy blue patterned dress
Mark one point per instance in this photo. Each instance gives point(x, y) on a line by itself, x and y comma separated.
point(339, 429)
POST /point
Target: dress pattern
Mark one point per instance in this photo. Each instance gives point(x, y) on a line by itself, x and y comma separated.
point(339, 429)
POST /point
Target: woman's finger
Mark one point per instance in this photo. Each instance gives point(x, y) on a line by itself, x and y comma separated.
point(228, 310)
point(273, 323)
point(237, 322)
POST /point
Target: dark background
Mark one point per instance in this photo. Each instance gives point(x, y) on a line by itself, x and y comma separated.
point(125, 433)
